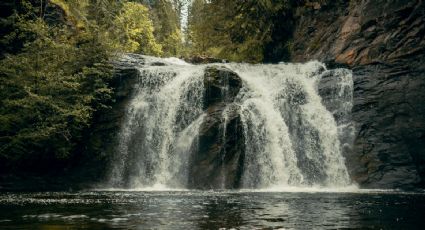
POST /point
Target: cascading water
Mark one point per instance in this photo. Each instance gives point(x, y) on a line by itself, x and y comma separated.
point(292, 139)
point(162, 120)
point(290, 136)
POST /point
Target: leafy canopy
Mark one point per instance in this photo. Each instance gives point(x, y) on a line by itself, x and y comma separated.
point(135, 30)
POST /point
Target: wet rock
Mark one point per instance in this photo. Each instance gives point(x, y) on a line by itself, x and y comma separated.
point(221, 85)
point(204, 60)
point(383, 43)
point(219, 160)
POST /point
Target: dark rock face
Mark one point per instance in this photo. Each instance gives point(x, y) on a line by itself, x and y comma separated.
point(383, 43)
point(219, 160)
point(221, 86)
point(98, 149)
point(389, 112)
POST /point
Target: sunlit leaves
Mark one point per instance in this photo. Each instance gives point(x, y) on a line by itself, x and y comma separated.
point(136, 30)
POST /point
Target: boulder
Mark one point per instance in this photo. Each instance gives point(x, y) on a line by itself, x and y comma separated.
point(218, 163)
point(204, 60)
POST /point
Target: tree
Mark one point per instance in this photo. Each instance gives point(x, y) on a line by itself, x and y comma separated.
point(50, 88)
point(197, 27)
point(135, 30)
point(237, 30)
point(167, 26)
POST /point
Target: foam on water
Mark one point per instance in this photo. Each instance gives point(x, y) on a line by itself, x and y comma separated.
point(287, 189)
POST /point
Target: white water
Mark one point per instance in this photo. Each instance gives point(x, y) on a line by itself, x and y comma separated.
point(306, 153)
point(291, 139)
point(162, 121)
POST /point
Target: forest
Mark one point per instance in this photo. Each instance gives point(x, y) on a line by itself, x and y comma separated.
point(55, 60)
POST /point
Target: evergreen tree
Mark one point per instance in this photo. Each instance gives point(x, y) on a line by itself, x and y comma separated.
point(238, 30)
point(167, 26)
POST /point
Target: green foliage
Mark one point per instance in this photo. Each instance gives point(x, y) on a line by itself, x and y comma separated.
point(50, 89)
point(235, 30)
point(166, 20)
point(135, 30)
point(198, 27)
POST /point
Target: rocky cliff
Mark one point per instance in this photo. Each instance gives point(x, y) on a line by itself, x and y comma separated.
point(382, 41)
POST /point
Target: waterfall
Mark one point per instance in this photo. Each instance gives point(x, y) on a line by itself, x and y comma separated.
point(161, 122)
point(291, 138)
point(294, 133)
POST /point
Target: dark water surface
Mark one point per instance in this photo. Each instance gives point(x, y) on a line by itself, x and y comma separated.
point(211, 210)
